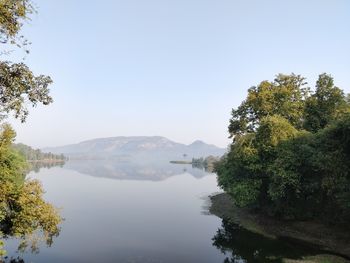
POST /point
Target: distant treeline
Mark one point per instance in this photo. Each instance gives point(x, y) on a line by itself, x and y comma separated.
point(33, 155)
point(290, 155)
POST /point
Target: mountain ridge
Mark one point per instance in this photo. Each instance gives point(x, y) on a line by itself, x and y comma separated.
point(136, 146)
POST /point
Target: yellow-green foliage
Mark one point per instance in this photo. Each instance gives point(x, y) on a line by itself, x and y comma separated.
point(2, 251)
point(285, 96)
point(33, 213)
point(12, 15)
point(273, 130)
point(290, 154)
point(18, 84)
point(23, 211)
point(12, 164)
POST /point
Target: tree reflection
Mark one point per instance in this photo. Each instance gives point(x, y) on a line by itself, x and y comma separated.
point(242, 245)
point(27, 216)
point(12, 260)
point(36, 166)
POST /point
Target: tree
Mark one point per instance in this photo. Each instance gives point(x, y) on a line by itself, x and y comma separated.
point(285, 96)
point(279, 168)
point(12, 15)
point(326, 105)
point(239, 172)
point(18, 84)
point(23, 210)
point(12, 164)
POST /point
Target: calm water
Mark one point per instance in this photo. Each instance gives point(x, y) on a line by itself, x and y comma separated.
point(123, 212)
point(129, 213)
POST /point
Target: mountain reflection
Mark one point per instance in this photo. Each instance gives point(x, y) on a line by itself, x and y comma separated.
point(243, 246)
point(132, 170)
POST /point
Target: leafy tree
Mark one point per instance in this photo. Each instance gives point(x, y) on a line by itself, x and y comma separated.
point(12, 15)
point(276, 166)
point(12, 164)
point(239, 172)
point(22, 208)
point(18, 84)
point(285, 96)
point(326, 105)
point(310, 175)
point(273, 130)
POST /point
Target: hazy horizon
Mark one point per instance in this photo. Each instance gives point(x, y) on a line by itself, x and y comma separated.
point(111, 137)
point(171, 68)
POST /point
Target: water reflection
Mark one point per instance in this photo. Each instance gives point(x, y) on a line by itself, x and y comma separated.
point(241, 245)
point(143, 218)
point(156, 171)
point(36, 166)
point(12, 260)
point(26, 218)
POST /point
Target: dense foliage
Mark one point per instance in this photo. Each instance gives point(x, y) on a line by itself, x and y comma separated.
point(23, 211)
point(12, 15)
point(290, 156)
point(18, 84)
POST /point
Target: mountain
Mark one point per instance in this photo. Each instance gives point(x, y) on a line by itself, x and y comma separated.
point(140, 148)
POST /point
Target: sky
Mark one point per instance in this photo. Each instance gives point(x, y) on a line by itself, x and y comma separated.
point(173, 68)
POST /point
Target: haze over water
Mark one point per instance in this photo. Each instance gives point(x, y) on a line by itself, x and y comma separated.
point(155, 212)
point(130, 220)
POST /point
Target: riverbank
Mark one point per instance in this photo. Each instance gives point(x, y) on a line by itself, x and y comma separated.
point(47, 161)
point(328, 239)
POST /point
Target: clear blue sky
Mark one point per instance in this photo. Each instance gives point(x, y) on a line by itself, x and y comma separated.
point(172, 67)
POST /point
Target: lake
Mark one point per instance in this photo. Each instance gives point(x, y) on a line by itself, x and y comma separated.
point(122, 212)
point(132, 212)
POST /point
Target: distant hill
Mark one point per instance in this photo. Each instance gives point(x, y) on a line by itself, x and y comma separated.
point(140, 148)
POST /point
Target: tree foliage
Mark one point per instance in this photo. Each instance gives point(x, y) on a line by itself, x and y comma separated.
point(18, 84)
point(13, 14)
point(291, 158)
point(285, 96)
point(23, 210)
point(325, 105)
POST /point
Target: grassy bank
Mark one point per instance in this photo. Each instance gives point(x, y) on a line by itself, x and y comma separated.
point(328, 239)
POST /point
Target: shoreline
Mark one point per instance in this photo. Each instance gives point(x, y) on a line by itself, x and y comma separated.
point(46, 161)
point(329, 239)
point(181, 162)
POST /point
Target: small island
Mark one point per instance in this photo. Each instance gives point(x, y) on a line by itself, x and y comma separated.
point(181, 162)
point(207, 163)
